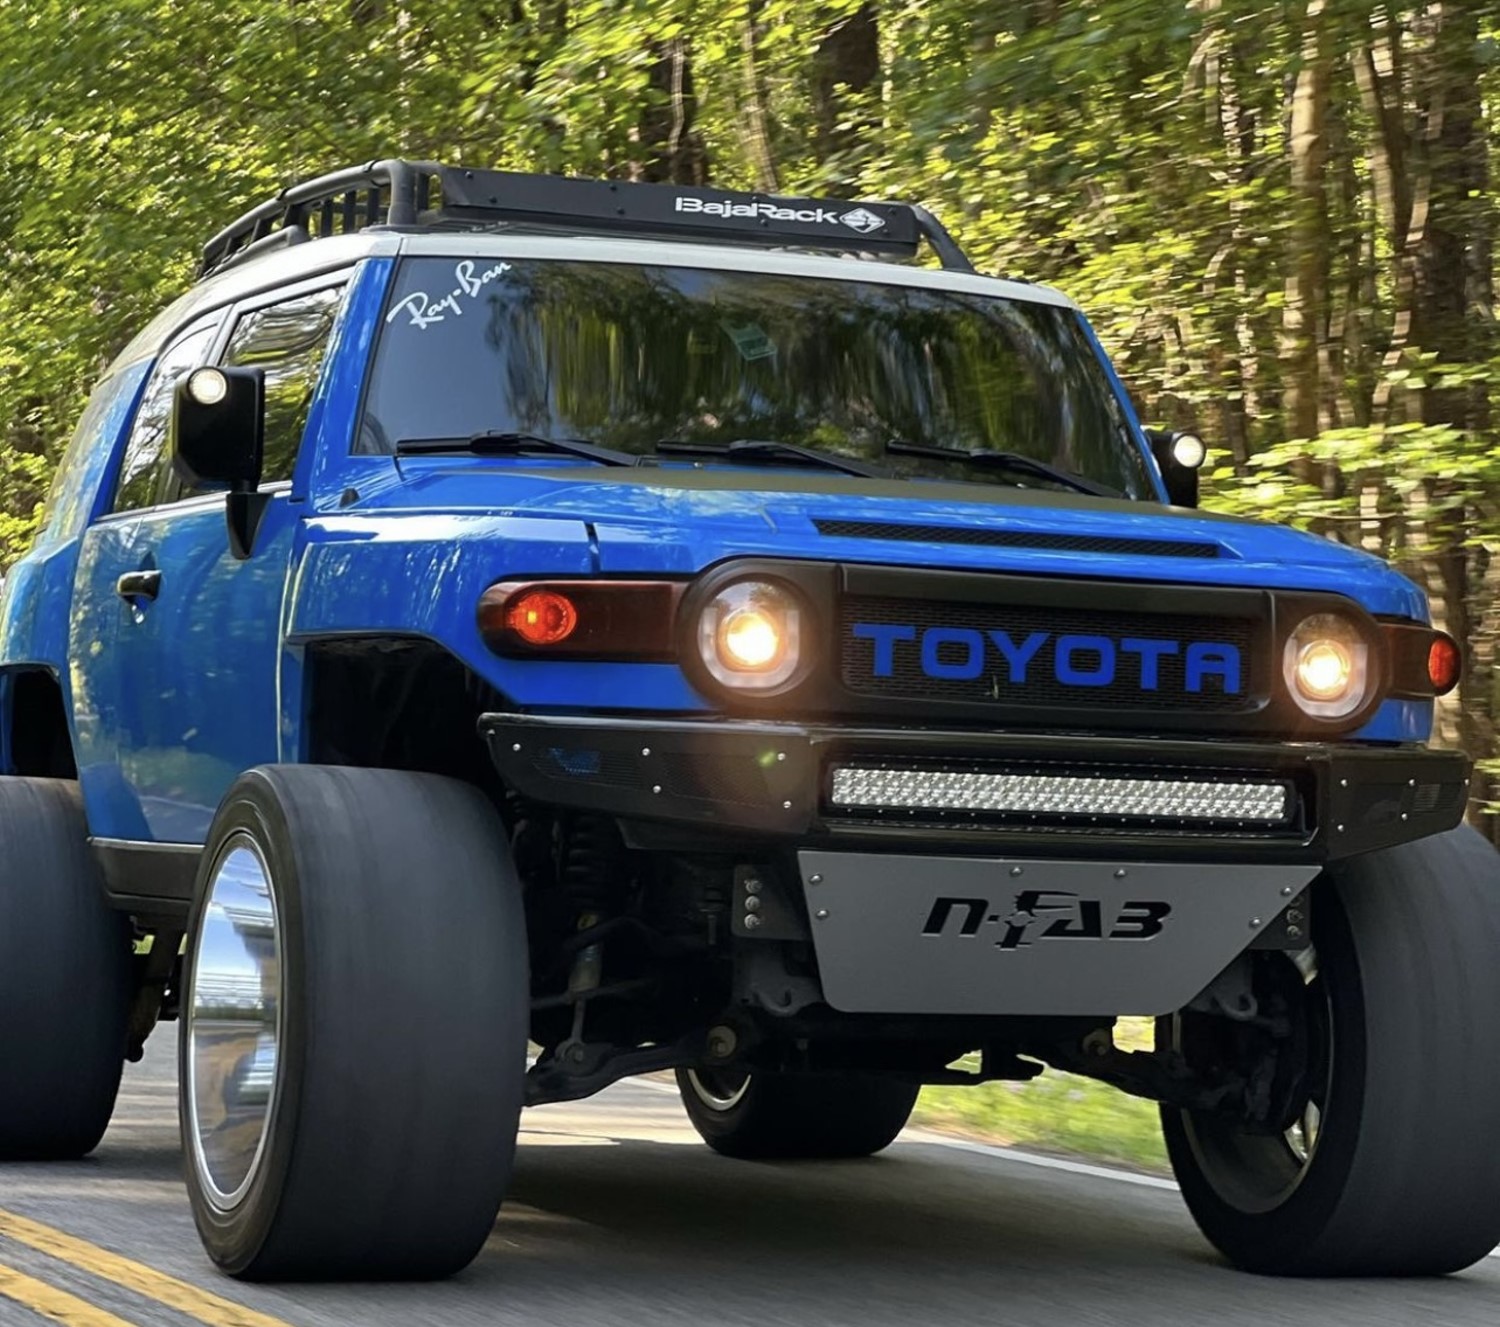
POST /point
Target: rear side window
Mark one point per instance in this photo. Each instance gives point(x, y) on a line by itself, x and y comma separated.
point(143, 467)
point(288, 341)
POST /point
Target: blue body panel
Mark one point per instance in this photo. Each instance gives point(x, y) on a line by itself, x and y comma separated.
point(171, 700)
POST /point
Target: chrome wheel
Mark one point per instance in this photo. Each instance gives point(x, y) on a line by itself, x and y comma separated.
point(233, 1023)
point(719, 1089)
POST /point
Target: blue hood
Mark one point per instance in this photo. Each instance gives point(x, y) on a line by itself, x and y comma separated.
point(681, 519)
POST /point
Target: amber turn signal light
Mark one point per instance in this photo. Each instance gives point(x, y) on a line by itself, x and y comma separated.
point(541, 617)
point(601, 620)
point(1444, 663)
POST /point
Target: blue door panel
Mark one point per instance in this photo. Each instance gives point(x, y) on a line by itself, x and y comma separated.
point(184, 698)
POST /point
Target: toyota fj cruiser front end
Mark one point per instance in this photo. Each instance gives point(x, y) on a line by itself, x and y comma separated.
point(662, 629)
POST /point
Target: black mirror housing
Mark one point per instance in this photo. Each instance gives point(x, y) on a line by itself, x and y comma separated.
point(1173, 450)
point(218, 428)
point(218, 440)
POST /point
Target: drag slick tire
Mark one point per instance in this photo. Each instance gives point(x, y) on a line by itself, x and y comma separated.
point(776, 1117)
point(65, 978)
point(1388, 1164)
point(354, 1026)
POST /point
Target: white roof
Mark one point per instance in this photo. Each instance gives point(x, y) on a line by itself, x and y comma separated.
point(720, 257)
point(285, 266)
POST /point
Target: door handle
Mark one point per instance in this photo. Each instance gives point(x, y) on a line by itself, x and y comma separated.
point(139, 584)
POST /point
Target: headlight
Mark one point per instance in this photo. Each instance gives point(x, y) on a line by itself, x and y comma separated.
point(1327, 666)
point(750, 636)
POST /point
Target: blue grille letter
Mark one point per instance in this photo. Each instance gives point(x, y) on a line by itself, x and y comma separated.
point(1073, 676)
point(885, 637)
point(1152, 652)
point(1018, 656)
point(971, 640)
point(1212, 659)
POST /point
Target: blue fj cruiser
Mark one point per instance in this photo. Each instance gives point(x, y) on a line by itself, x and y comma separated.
point(671, 628)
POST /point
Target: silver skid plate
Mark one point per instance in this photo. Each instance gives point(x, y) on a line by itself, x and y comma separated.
point(966, 935)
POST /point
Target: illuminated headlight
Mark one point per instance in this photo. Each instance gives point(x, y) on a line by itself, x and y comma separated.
point(1327, 666)
point(1059, 795)
point(750, 636)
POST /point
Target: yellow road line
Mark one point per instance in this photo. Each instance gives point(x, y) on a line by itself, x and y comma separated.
point(54, 1304)
point(197, 1303)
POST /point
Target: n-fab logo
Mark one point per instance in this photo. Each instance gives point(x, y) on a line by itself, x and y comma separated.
point(961, 654)
point(859, 219)
point(1047, 914)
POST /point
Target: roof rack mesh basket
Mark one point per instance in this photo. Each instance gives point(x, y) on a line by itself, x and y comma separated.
point(412, 195)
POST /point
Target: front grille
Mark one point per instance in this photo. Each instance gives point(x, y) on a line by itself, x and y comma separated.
point(1042, 689)
point(984, 537)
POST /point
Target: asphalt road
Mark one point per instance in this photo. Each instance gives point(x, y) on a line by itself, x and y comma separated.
point(619, 1216)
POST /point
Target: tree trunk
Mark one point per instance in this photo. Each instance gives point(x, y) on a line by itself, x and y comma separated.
point(846, 67)
point(1304, 319)
point(672, 149)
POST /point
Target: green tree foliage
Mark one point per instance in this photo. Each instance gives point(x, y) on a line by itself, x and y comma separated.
point(1278, 212)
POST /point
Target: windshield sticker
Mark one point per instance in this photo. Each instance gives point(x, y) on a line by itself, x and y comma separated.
point(751, 340)
point(423, 309)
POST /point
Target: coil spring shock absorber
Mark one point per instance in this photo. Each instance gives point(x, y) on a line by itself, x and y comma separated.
point(591, 871)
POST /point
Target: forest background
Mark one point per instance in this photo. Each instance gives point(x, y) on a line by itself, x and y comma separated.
point(1278, 213)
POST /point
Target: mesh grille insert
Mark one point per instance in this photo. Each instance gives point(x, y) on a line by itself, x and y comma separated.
point(1041, 688)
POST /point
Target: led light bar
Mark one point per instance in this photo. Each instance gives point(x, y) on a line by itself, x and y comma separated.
point(1059, 795)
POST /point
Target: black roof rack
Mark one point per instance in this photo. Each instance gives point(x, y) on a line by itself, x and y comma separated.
point(408, 195)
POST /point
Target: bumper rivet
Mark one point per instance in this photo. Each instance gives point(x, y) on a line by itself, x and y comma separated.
point(780, 756)
point(821, 914)
point(752, 904)
point(1404, 816)
point(1121, 873)
point(656, 787)
point(786, 806)
point(753, 886)
point(815, 880)
point(1411, 783)
point(645, 751)
point(1255, 923)
point(515, 746)
point(1015, 870)
point(1286, 891)
point(1339, 828)
point(751, 922)
point(1343, 783)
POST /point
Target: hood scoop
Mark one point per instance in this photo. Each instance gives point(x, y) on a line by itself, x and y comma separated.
point(992, 538)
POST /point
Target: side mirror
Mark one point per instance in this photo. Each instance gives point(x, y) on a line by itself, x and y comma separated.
point(217, 440)
point(1179, 457)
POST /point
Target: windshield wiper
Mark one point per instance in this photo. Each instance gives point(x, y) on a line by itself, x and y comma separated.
point(1012, 461)
point(514, 444)
point(769, 451)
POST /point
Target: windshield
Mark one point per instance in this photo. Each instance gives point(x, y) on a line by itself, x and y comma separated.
point(628, 356)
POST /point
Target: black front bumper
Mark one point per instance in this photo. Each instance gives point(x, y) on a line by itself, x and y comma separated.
point(726, 778)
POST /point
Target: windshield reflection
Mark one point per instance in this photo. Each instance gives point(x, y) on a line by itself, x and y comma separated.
point(628, 356)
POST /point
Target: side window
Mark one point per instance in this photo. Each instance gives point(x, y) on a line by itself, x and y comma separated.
point(76, 483)
point(141, 469)
point(288, 341)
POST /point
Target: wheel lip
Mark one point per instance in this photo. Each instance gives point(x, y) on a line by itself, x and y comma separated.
point(715, 1101)
point(216, 1198)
